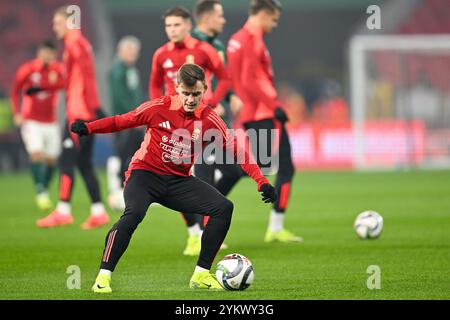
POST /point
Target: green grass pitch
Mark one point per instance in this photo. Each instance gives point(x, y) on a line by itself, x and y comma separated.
point(413, 252)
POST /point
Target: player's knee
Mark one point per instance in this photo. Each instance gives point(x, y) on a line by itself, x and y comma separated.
point(131, 219)
point(51, 161)
point(136, 211)
point(227, 208)
point(37, 156)
point(85, 168)
point(66, 168)
point(286, 172)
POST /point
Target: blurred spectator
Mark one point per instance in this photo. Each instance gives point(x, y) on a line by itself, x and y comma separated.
point(381, 99)
point(425, 101)
point(331, 107)
point(294, 105)
point(126, 94)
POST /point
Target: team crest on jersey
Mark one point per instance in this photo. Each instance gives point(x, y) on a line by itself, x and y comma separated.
point(195, 134)
point(168, 64)
point(52, 76)
point(35, 77)
point(190, 58)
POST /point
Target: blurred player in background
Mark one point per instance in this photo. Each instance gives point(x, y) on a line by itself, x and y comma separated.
point(126, 93)
point(160, 172)
point(250, 68)
point(183, 48)
point(37, 118)
point(210, 21)
point(82, 103)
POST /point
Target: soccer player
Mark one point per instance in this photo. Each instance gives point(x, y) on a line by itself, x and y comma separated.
point(36, 116)
point(177, 127)
point(250, 68)
point(82, 103)
point(210, 20)
point(183, 48)
point(125, 90)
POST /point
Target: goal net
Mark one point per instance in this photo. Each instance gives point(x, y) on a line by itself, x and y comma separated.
point(400, 100)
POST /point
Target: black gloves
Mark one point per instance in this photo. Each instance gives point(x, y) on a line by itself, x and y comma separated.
point(269, 193)
point(32, 90)
point(281, 115)
point(80, 128)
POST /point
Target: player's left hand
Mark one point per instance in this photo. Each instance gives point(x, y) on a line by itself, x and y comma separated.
point(220, 110)
point(80, 128)
point(281, 115)
point(269, 193)
point(236, 104)
point(32, 90)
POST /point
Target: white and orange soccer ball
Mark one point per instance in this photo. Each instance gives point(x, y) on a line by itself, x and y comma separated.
point(368, 225)
point(235, 272)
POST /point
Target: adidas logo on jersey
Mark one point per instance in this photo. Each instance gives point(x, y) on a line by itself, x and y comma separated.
point(168, 64)
point(165, 124)
point(233, 45)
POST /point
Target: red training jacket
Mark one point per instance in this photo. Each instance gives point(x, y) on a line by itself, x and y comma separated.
point(41, 106)
point(82, 100)
point(174, 138)
point(251, 72)
point(170, 57)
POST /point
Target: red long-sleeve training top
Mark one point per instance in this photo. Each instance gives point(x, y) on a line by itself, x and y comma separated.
point(175, 138)
point(251, 72)
point(41, 106)
point(82, 99)
point(170, 57)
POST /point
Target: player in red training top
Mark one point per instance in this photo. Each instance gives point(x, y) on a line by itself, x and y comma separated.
point(251, 72)
point(183, 48)
point(81, 103)
point(37, 116)
point(178, 127)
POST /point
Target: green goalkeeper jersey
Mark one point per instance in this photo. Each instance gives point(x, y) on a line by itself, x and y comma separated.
point(125, 87)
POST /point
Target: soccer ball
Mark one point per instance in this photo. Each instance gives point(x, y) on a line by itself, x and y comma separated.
point(235, 272)
point(368, 225)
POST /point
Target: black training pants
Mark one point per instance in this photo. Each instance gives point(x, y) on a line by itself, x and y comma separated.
point(183, 194)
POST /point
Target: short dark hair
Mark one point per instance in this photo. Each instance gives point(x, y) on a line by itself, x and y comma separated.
point(203, 7)
point(177, 11)
point(47, 44)
point(268, 5)
point(190, 73)
point(63, 10)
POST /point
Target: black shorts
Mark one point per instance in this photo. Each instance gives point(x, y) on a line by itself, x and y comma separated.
point(183, 194)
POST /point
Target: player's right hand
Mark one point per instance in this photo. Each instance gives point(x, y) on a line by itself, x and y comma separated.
point(269, 193)
point(220, 110)
point(281, 115)
point(32, 90)
point(80, 128)
point(18, 120)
